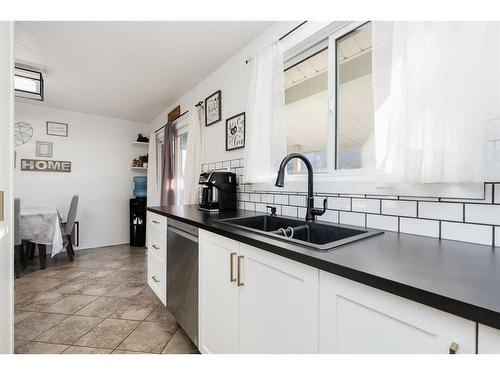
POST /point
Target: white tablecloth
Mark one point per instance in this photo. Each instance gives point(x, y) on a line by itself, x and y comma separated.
point(42, 226)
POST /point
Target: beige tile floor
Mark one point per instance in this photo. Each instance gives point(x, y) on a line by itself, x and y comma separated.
point(100, 304)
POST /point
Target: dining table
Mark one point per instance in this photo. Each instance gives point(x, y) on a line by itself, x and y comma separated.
point(42, 226)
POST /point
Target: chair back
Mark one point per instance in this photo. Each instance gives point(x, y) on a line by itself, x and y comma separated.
point(17, 221)
point(70, 221)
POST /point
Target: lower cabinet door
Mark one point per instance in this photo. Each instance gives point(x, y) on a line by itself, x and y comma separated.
point(355, 318)
point(157, 277)
point(278, 304)
point(488, 340)
point(218, 294)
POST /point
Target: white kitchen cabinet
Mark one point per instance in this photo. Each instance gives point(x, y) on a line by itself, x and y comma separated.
point(267, 304)
point(218, 294)
point(488, 340)
point(278, 304)
point(156, 242)
point(355, 318)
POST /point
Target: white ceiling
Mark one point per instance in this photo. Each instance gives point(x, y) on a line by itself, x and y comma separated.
point(129, 70)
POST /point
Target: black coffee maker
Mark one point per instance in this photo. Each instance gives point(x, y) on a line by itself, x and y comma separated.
point(217, 191)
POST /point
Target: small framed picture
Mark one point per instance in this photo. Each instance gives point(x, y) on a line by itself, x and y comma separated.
point(235, 132)
point(58, 129)
point(44, 149)
point(213, 108)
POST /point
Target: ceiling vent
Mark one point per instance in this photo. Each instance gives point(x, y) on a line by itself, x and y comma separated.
point(28, 84)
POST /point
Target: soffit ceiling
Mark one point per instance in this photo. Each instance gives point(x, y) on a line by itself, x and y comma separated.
point(129, 70)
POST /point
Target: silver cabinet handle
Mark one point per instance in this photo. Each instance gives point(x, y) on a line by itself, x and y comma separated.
point(232, 279)
point(155, 279)
point(453, 348)
point(156, 222)
point(239, 282)
point(156, 247)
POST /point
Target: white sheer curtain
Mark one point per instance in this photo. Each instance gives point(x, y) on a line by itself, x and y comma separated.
point(154, 172)
point(265, 144)
point(193, 157)
point(436, 86)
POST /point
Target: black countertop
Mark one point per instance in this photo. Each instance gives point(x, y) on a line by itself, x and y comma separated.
point(457, 277)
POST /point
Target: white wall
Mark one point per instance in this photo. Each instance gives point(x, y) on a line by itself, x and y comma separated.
point(100, 151)
point(6, 240)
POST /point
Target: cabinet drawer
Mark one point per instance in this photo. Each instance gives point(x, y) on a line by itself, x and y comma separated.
point(157, 278)
point(157, 245)
point(157, 222)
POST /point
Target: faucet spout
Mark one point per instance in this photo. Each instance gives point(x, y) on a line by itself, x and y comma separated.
point(311, 212)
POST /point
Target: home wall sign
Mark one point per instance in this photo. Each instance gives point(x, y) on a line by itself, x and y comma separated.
point(213, 108)
point(235, 132)
point(35, 165)
point(59, 129)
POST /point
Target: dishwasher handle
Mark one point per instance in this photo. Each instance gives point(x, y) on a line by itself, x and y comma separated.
point(182, 233)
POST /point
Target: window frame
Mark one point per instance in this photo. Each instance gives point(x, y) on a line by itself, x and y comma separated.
point(328, 39)
point(180, 128)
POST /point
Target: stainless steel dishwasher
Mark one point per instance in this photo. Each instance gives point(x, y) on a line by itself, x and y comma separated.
point(182, 275)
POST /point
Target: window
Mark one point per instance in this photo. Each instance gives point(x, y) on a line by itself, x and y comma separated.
point(337, 71)
point(354, 114)
point(180, 162)
point(306, 111)
point(28, 84)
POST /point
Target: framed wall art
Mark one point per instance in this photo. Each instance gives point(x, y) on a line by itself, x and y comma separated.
point(58, 129)
point(44, 149)
point(235, 132)
point(213, 108)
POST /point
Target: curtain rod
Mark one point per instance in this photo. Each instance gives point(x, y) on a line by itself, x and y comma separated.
point(199, 104)
point(285, 35)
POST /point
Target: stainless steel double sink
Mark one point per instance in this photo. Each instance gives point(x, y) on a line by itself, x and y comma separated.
point(317, 235)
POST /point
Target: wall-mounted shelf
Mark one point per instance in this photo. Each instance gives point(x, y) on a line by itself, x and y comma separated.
point(139, 168)
point(140, 144)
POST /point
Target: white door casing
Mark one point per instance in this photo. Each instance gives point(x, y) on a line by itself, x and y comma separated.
point(6, 223)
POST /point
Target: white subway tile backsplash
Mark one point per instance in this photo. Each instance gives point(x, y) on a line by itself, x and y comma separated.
point(482, 213)
point(339, 203)
point(482, 234)
point(267, 198)
point(330, 216)
point(260, 207)
point(297, 200)
point(399, 208)
point(352, 218)
point(301, 212)
point(249, 206)
point(414, 215)
point(366, 205)
point(289, 211)
point(254, 197)
point(280, 199)
point(318, 201)
point(440, 210)
point(429, 228)
point(382, 222)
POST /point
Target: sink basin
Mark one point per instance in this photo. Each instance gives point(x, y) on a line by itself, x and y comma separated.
point(318, 235)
